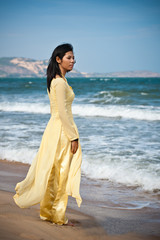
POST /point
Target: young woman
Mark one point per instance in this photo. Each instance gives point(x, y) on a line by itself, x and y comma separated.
point(56, 170)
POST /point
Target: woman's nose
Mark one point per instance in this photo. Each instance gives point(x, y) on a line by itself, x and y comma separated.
point(72, 60)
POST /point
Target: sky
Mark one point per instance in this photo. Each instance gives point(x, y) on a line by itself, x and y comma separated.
point(107, 35)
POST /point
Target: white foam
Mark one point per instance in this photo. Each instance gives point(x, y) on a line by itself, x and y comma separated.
point(134, 207)
point(121, 172)
point(24, 155)
point(114, 111)
point(108, 98)
point(25, 107)
point(90, 110)
point(101, 79)
point(105, 79)
point(130, 170)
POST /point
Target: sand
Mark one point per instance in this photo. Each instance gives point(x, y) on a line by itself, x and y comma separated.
point(19, 224)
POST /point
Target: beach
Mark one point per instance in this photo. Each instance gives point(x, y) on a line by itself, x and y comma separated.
point(19, 224)
point(118, 120)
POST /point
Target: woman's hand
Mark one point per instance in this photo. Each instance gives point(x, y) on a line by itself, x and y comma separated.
point(74, 146)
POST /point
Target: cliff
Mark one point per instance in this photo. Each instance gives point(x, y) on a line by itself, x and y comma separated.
point(26, 67)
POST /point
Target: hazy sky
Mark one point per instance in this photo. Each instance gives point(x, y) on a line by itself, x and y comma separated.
point(107, 35)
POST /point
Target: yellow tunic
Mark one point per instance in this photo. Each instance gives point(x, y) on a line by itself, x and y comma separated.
point(55, 172)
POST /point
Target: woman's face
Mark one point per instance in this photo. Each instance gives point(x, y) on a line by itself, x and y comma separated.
point(67, 62)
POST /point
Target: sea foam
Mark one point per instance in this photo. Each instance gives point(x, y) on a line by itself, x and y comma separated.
point(123, 173)
point(113, 111)
point(120, 172)
point(25, 107)
point(90, 110)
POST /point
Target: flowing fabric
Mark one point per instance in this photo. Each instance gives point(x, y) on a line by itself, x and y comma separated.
point(55, 172)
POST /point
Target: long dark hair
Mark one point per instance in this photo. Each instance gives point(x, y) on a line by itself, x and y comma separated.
point(53, 67)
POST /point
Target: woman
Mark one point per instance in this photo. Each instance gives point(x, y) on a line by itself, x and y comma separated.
point(56, 170)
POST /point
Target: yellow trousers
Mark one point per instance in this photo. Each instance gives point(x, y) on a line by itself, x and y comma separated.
point(54, 203)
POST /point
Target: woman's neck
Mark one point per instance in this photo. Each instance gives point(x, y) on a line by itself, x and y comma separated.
point(63, 71)
point(62, 76)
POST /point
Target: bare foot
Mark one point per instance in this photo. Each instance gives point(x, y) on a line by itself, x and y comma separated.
point(69, 224)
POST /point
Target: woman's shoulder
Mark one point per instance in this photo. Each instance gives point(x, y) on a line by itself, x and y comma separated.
point(58, 81)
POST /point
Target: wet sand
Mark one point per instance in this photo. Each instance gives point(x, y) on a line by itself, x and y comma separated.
point(19, 224)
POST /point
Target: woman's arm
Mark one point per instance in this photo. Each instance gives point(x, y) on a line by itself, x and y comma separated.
point(60, 91)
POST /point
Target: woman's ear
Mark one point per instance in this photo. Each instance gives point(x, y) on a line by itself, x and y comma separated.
point(58, 60)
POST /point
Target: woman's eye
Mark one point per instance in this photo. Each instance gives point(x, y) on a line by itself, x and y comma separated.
point(70, 58)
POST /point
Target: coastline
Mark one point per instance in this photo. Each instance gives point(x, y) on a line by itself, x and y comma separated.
point(19, 223)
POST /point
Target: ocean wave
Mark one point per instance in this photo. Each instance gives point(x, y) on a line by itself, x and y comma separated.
point(25, 107)
point(123, 173)
point(120, 172)
point(107, 97)
point(113, 111)
point(90, 110)
point(101, 79)
point(105, 79)
point(24, 155)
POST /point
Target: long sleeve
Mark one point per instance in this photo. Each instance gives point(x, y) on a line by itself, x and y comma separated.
point(65, 116)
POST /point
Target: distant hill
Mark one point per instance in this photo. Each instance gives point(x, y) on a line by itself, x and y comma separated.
point(26, 67)
point(124, 74)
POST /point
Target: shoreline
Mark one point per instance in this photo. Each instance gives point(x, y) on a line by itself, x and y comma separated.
point(139, 224)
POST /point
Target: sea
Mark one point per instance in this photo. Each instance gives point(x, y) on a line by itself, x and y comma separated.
point(119, 126)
